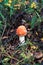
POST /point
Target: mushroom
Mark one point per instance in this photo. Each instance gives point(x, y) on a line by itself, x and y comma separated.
point(21, 32)
point(38, 55)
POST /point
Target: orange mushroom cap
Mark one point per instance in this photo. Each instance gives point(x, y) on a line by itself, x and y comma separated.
point(21, 31)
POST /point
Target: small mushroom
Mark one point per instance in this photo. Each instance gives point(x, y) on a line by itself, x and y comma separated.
point(21, 32)
point(38, 55)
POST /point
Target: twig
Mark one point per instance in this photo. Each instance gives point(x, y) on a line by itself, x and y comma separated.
point(4, 25)
point(20, 61)
point(11, 57)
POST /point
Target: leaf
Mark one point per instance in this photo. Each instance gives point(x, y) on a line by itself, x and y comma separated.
point(11, 12)
point(6, 64)
point(31, 1)
point(5, 60)
point(23, 0)
point(1, 6)
point(2, 16)
point(37, 64)
point(5, 1)
point(15, 2)
point(0, 24)
point(33, 21)
point(42, 1)
point(29, 10)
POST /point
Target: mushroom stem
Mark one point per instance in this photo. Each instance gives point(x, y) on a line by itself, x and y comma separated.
point(22, 39)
